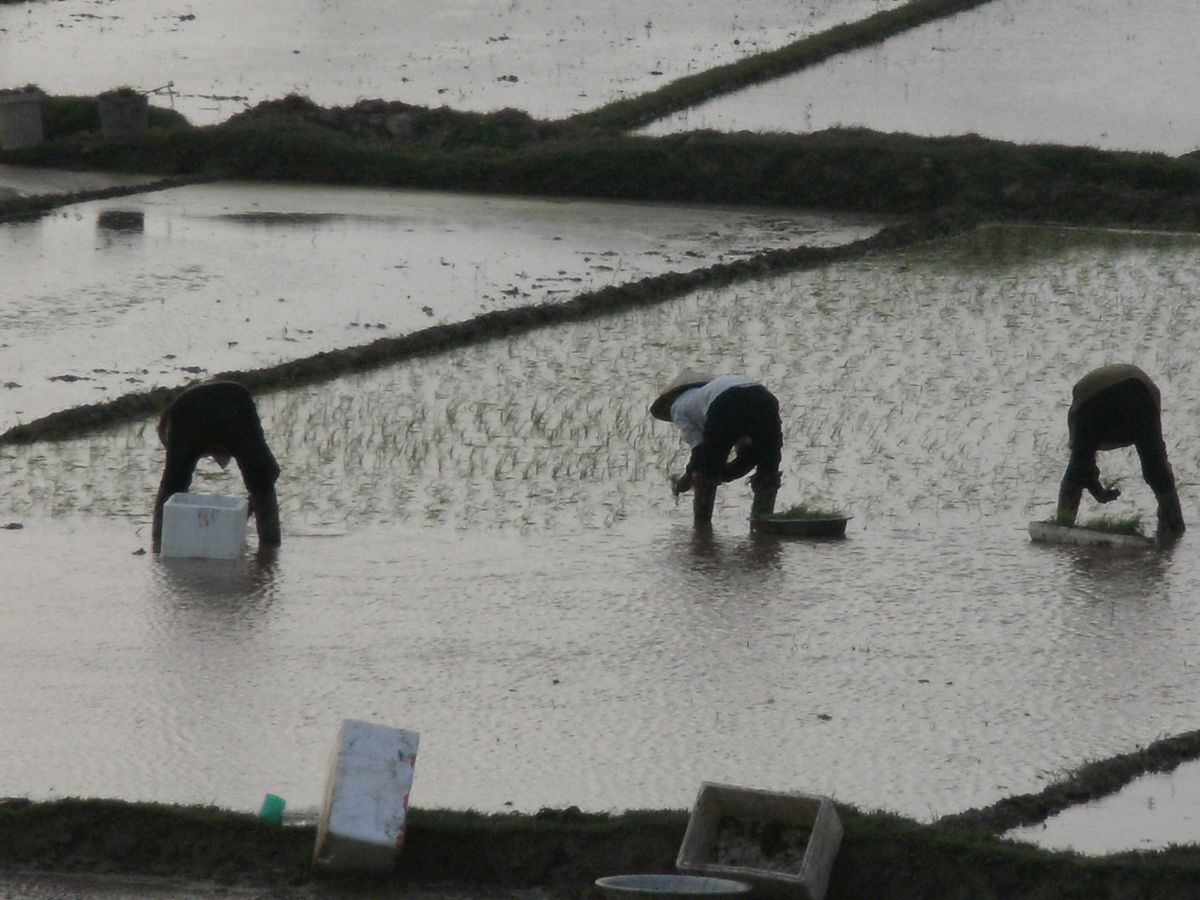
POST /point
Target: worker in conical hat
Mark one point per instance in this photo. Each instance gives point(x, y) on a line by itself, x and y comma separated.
point(716, 415)
point(1111, 407)
point(218, 419)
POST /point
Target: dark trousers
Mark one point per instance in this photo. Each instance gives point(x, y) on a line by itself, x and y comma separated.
point(1118, 416)
point(752, 412)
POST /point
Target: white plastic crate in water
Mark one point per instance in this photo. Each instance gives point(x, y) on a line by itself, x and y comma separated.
point(366, 797)
point(209, 527)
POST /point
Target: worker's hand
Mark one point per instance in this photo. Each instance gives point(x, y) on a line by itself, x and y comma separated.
point(1106, 495)
point(682, 484)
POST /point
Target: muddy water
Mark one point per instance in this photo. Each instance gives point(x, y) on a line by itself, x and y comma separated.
point(549, 58)
point(1122, 81)
point(162, 288)
point(482, 546)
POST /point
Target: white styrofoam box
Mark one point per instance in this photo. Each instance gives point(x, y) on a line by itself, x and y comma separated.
point(199, 525)
point(366, 797)
point(1074, 534)
point(810, 812)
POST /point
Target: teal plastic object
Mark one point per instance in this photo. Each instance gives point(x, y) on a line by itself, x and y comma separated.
point(272, 808)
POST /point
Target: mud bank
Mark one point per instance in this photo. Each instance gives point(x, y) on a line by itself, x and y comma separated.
point(557, 853)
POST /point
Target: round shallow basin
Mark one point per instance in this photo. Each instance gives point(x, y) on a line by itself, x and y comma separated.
point(670, 887)
point(808, 526)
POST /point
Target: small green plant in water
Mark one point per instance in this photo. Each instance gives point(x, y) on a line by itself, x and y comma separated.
point(1106, 524)
point(1113, 525)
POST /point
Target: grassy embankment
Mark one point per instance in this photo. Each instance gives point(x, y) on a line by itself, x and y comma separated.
point(843, 169)
point(881, 856)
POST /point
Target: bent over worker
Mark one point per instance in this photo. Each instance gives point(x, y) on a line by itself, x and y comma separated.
point(1111, 407)
point(218, 419)
point(716, 416)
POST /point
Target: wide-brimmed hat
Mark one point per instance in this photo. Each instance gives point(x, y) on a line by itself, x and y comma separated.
point(688, 378)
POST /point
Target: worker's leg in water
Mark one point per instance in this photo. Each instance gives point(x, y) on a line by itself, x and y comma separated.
point(260, 478)
point(1156, 469)
point(266, 517)
point(766, 437)
point(260, 471)
point(707, 464)
point(704, 498)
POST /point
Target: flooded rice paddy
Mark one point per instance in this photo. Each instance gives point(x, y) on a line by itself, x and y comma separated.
point(482, 546)
point(1105, 73)
point(161, 288)
point(551, 59)
point(1153, 811)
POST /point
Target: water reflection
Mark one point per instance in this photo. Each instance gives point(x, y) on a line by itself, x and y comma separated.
point(130, 221)
point(713, 553)
point(234, 591)
point(1100, 574)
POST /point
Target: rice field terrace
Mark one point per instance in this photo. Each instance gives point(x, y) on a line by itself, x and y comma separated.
point(918, 223)
point(502, 513)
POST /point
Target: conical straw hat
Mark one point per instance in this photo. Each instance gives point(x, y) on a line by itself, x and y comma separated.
point(688, 378)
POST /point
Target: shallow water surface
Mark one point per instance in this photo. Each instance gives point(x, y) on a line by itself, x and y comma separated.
point(482, 546)
point(547, 57)
point(161, 288)
point(1113, 74)
point(607, 669)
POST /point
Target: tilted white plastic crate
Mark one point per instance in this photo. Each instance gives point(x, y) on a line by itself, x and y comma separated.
point(200, 525)
point(366, 797)
point(789, 815)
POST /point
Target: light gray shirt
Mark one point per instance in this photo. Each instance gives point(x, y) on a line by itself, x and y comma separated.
point(689, 412)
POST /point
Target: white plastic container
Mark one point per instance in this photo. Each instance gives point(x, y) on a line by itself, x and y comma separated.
point(366, 798)
point(208, 527)
point(806, 813)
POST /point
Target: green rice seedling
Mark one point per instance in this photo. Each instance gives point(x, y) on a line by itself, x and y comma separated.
point(804, 511)
point(1115, 525)
point(1106, 524)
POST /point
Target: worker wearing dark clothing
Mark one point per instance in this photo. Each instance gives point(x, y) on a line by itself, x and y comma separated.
point(1118, 406)
point(717, 416)
point(218, 419)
